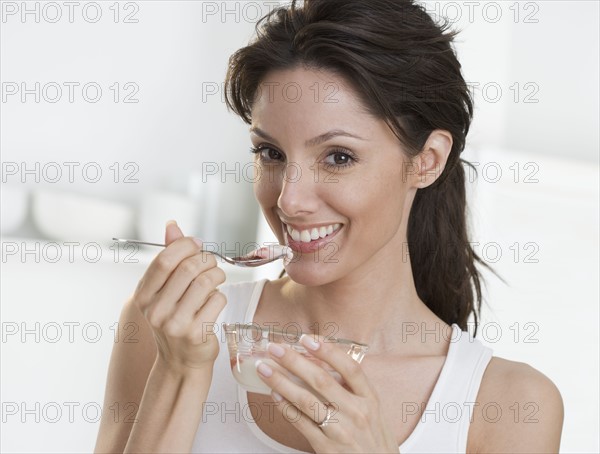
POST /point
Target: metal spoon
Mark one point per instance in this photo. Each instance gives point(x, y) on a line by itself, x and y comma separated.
point(250, 260)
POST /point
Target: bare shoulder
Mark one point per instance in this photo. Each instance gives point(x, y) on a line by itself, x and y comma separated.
point(518, 409)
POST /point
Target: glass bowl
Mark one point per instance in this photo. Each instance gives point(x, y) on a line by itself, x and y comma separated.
point(247, 343)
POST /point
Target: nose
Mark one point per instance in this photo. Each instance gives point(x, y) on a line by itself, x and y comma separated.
point(298, 192)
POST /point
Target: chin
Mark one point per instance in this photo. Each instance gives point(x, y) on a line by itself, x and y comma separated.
point(310, 273)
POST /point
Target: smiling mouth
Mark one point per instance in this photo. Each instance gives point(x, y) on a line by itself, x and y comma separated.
point(310, 240)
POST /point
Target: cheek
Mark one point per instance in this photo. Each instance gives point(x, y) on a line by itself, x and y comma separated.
point(376, 205)
point(266, 192)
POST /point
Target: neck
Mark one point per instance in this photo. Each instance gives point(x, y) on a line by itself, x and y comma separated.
point(373, 304)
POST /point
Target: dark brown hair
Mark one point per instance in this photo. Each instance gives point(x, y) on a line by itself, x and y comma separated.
point(403, 67)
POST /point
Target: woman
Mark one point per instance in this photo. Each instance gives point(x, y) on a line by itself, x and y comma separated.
point(358, 114)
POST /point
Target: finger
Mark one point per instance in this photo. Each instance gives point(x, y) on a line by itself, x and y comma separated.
point(166, 262)
point(172, 232)
point(188, 270)
point(305, 425)
point(336, 357)
point(205, 318)
point(305, 400)
point(307, 369)
point(196, 329)
point(196, 295)
point(151, 281)
point(165, 302)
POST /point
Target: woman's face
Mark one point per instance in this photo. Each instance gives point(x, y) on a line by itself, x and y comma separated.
point(330, 171)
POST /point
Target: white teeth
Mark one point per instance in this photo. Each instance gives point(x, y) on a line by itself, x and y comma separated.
point(306, 236)
point(314, 234)
point(295, 235)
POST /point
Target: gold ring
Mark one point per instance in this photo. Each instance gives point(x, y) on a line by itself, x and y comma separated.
point(327, 417)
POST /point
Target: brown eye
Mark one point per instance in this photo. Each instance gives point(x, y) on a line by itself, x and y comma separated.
point(339, 159)
point(267, 154)
point(272, 154)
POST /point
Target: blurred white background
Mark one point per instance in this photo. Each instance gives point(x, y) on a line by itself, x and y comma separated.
point(156, 142)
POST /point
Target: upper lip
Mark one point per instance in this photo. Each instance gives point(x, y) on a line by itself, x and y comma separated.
point(309, 226)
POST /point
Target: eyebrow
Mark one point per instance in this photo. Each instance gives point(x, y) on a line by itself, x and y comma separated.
point(310, 142)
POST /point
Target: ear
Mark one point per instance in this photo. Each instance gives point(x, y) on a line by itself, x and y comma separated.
point(430, 163)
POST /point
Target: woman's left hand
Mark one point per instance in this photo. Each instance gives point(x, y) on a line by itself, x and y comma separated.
point(354, 423)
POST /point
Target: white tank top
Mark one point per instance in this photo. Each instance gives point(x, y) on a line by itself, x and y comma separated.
point(227, 424)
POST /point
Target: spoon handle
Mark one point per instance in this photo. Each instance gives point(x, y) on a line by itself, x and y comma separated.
point(238, 261)
point(121, 240)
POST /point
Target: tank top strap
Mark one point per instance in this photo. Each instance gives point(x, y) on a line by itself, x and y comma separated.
point(242, 300)
point(445, 422)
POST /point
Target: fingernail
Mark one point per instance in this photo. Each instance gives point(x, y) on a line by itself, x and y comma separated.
point(275, 350)
point(171, 222)
point(276, 396)
point(263, 369)
point(309, 342)
point(198, 241)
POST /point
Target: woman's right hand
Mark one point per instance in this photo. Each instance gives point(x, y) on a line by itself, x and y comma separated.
point(178, 297)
